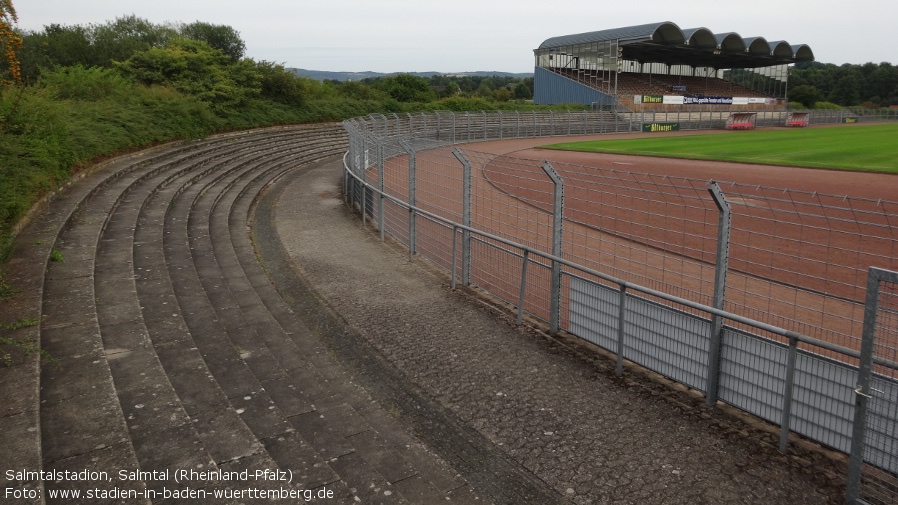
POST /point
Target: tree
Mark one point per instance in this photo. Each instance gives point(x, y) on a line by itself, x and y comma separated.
point(883, 81)
point(522, 92)
point(280, 85)
point(484, 90)
point(503, 95)
point(359, 91)
point(221, 37)
point(194, 68)
point(805, 95)
point(406, 88)
point(90, 46)
point(120, 39)
point(847, 90)
point(56, 46)
point(10, 42)
point(847, 84)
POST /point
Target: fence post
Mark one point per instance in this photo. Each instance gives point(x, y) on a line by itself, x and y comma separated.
point(356, 160)
point(557, 221)
point(381, 171)
point(864, 391)
point(523, 291)
point(621, 317)
point(454, 118)
point(720, 275)
point(411, 198)
point(465, 219)
point(346, 177)
point(786, 419)
point(362, 182)
point(454, 253)
point(501, 125)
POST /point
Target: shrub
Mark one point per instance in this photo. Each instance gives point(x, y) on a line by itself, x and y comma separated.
point(280, 85)
point(459, 104)
point(79, 83)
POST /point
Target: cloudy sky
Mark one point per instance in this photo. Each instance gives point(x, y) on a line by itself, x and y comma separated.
point(469, 35)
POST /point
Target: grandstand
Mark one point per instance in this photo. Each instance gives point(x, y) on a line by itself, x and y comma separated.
point(660, 66)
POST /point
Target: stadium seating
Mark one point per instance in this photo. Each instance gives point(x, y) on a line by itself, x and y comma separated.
point(658, 84)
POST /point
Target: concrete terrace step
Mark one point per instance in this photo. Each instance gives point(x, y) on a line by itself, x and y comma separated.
point(25, 274)
point(175, 352)
point(68, 413)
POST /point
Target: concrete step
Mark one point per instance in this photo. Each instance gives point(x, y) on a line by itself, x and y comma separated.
point(55, 306)
point(100, 384)
point(174, 350)
point(27, 274)
point(281, 365)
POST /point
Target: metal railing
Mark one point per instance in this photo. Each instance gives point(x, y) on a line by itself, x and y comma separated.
point(666, 273)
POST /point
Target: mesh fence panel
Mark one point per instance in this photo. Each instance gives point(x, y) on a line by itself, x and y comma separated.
point(797, 261)
point(511, 199)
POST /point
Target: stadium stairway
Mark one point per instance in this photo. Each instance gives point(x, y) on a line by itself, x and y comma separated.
point(170, 350)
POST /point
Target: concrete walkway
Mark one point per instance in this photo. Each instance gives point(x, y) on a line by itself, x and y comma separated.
point(553, 414)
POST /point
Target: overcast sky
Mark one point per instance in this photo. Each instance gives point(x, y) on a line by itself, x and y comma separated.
point(470, 35)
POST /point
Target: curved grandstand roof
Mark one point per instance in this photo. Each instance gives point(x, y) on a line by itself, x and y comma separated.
point(665, 42)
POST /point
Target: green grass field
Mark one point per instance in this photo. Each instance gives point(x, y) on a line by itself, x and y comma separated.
point(871, 148)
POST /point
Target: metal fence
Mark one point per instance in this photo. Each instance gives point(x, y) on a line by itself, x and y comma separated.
point(755, 296)
point(451, 127)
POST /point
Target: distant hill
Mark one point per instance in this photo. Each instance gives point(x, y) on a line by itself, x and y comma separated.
point(322, 75)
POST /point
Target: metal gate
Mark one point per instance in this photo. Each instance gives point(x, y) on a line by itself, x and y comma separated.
point(873, 471)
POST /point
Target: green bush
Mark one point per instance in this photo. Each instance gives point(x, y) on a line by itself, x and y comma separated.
point(196, 69)
point(79, 83)
point(459, 104)
point(280, 85)
point(43, 138)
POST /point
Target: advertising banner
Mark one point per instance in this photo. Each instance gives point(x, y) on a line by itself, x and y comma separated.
point(661, 127)
point(708, 100)
point(699, 100)
point(648, 99)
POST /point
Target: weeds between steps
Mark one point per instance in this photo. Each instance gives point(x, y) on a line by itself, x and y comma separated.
point(27, 346)
point(9, 345)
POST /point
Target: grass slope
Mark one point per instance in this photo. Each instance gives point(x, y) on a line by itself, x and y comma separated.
point(871, 148)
